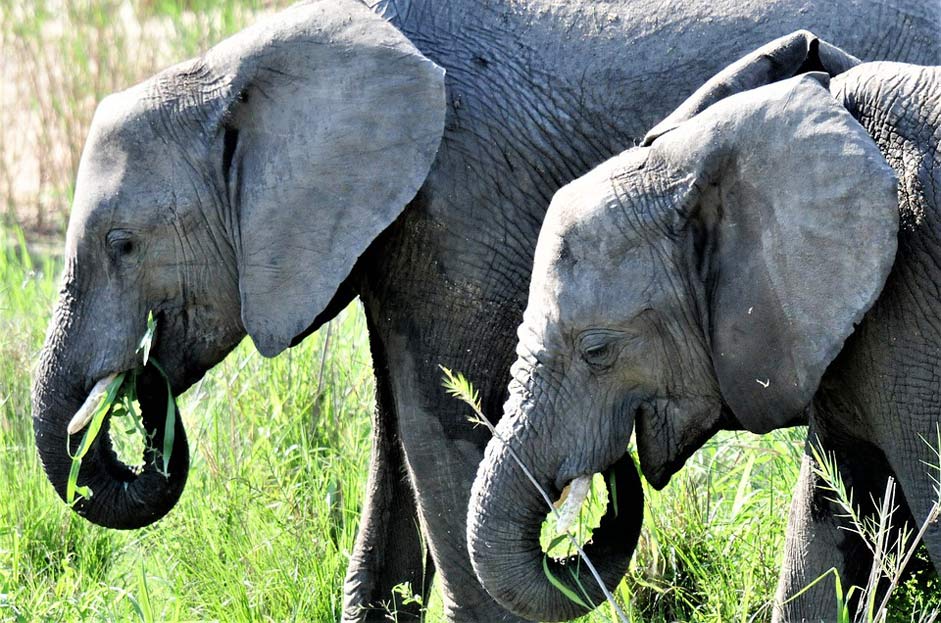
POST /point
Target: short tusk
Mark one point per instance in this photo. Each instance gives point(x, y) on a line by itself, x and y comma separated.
point(83, 416)
point(577, 493)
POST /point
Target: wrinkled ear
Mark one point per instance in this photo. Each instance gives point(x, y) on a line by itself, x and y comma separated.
point(793, 54)
point(333, 123)
point(800, 215)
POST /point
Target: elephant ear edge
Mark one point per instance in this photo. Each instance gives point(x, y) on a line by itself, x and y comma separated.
point(802, 212)
point(785, 57)
point(336, 121)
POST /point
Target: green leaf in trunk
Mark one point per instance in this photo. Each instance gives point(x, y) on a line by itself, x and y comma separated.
point(91, 433)
point(147, 341)
point(565, 590)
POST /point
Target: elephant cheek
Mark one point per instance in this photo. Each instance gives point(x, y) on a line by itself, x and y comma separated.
point(670, 431)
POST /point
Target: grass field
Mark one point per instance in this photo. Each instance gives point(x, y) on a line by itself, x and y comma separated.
point(268, 518)
point(279, 450)
point(279, 447)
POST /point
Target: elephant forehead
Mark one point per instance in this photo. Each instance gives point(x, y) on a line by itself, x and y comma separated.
point(597, 290)
point(595, 219)
point(587, 201)
point(180, 105)
point(596, 266)
point(122, 119)
point(122, 137)
point(126, 169)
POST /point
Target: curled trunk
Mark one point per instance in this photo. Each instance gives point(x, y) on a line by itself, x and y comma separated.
point(505, 517)
point(121, 497)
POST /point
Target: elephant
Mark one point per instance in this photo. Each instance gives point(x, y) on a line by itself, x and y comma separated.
point(767, 256)
point(316, 157)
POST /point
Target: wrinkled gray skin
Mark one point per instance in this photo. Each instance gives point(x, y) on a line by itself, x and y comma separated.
point(712, 279)
point(244, 192)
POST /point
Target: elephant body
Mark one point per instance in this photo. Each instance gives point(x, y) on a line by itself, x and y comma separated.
point(536, 93)
point(464, 246)
point(878, 407)
point(769, 254)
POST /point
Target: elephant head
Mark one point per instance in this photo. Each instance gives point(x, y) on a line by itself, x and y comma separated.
point(230, 194)
point(703, 281)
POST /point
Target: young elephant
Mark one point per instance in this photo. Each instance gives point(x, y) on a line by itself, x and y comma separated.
point(400, 150)
point(712, 279)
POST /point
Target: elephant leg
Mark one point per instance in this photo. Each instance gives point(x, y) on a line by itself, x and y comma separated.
point(814, 544)
point(389, 547)
point(443, 450)
point(819, 539)
point(442, 447)
point(917, 466)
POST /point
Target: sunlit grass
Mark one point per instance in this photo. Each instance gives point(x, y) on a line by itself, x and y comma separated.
point(279, 448)
point(62, 57)
point(279, 457)
point(268, 517)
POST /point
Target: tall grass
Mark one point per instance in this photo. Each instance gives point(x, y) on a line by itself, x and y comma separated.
point(267, 521)
point(61, 57)
point(279, 448)
point(271, 506)
point(713, 540)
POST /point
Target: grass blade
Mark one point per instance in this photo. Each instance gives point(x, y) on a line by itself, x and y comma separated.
point(91, 433)
point(565, 590)
point(169, 429)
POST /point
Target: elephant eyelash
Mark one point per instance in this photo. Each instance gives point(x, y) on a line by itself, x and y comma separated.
point(599, 349)
point(597, 352)
point(120, 243)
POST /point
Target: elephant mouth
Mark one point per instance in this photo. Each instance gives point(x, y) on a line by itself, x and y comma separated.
point(578, 506)
point(137, 489)
point(525, 564)
point(141, 394)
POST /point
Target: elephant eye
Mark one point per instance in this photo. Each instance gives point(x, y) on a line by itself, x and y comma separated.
point(120, 243)
point(599, 348)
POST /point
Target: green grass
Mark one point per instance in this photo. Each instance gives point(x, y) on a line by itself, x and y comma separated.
point(270, 509)
point(713, 540)
point(279, 448)
point(279, 454)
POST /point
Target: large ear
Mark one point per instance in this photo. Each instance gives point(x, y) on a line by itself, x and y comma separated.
point(793, 54)
point(333, 122)
point(799, 211)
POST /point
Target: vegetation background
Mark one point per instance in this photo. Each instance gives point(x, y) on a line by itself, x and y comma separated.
point(279, 447)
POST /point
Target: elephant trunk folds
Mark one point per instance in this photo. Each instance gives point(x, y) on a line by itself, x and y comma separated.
point(505, 515)
point(121, 497)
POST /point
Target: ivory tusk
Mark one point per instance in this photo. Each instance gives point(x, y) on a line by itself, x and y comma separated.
point(577, 493)
point(83, 416)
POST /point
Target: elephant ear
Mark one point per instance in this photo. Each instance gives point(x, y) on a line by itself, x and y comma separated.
point(788, 56)
point(800, 214)
point(332, 122)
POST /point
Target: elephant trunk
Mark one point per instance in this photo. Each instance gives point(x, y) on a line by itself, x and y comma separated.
point(121, 497)
point(504, 520)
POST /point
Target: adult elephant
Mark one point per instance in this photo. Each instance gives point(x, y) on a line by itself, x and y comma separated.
point(713, 279)
point(245, 192)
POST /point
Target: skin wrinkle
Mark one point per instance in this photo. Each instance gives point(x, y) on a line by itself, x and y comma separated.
point(470, 181)
point(884, 378)
point(197, 180)
point(661, 409)
point(186, 249)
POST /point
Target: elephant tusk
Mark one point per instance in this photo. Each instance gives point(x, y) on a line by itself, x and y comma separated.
point(572, 504)
point(83, 416)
